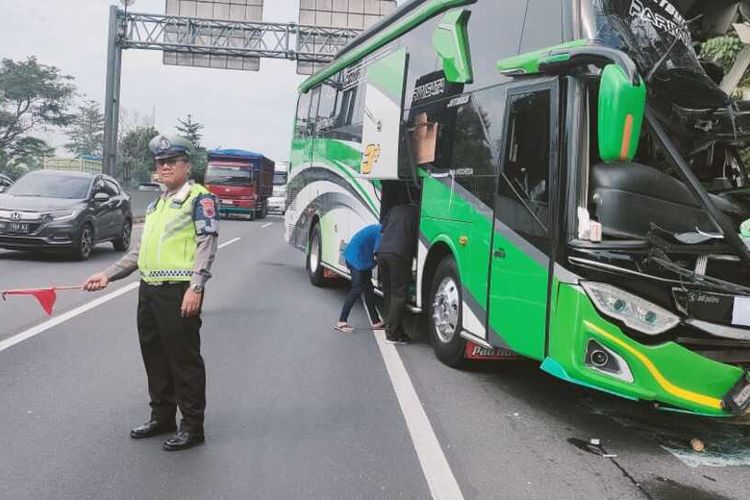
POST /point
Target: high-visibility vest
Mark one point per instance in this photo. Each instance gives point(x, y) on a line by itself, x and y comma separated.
point(169, 240)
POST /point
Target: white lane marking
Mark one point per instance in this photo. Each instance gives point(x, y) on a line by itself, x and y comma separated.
point(227, 243)
point(435, 467)
point(53, 322)
point(269, 224)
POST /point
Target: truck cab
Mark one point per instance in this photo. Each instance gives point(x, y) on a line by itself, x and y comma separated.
point(242, 181)
point(277, 202)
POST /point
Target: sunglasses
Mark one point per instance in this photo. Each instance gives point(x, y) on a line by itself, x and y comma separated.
point(172, 162)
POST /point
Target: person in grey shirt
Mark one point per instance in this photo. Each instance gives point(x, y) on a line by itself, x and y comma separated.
point(174, 257)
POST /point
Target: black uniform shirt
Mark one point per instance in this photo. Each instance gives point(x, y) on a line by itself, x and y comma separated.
point(400, 229)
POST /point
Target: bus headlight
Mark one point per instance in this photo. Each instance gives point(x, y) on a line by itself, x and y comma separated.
point(635, 312)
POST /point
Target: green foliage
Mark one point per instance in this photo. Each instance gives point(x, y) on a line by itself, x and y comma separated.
point(191, 131)
point(33, 97)
point(136, 162)
point(86, 132)
point(722, 50)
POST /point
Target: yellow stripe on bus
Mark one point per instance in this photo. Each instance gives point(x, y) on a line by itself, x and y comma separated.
point(666, 384)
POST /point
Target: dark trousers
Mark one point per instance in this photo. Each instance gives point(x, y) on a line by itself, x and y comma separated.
point(395, 272)
point(361, 284)
point(170, 345)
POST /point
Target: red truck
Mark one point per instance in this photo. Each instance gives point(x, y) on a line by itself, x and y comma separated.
point(241, 180)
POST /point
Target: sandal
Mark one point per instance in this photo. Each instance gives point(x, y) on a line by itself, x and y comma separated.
point(380, 325)
point(344, 327)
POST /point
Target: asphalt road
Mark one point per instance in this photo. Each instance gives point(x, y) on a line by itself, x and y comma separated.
point(297, 410)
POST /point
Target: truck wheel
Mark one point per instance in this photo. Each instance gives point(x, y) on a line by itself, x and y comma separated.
point(83, 244)
point(122, 243)
point(445, 305)
point(264, 210)
point(314, 257)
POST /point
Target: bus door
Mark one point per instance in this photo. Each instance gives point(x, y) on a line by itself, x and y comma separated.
point(522, 236)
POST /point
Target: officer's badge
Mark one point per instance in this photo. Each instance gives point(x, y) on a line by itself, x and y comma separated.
point(164, 144)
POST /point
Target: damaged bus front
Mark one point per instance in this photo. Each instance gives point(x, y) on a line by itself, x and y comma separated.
point(657, 306)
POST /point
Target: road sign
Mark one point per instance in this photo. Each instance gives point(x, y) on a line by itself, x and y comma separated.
point(342, 14)
point(195, 40)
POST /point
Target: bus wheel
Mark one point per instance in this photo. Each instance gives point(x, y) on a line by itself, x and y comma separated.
point(444, 314)
point(314, 257)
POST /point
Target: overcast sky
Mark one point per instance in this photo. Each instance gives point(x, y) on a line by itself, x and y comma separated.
point(239, 109)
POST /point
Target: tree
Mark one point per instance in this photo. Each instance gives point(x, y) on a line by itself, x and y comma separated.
point(135, 159)
point(33, 97)
point(191, 131)
point(86, 132)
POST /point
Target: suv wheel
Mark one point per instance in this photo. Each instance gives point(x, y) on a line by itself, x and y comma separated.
point(122, 243)
point(84, 243)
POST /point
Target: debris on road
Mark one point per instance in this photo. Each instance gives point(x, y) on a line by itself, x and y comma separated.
point(697, 445)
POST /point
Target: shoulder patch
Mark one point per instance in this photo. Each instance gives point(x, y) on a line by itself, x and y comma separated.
point(205, 215)
point(152, 206)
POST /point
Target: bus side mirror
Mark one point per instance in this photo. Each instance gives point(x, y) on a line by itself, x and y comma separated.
point(622, 105)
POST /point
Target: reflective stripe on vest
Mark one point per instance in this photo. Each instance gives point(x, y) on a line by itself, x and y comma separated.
point(169, 242)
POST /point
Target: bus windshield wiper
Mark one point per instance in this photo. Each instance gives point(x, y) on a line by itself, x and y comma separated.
point(660, 259)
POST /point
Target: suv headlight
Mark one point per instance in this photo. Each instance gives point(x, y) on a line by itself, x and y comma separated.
point(635, 312)
point(63, 215)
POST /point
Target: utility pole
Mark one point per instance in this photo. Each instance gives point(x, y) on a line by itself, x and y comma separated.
point(112, 91)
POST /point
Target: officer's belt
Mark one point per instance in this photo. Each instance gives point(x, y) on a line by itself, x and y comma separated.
point(165, 283)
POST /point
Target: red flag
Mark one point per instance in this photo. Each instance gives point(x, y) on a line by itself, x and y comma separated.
point(45, 296)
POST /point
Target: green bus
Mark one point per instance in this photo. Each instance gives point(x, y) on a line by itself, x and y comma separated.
point(579, 180)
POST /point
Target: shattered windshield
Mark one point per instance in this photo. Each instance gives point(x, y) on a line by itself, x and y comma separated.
point(656, 35)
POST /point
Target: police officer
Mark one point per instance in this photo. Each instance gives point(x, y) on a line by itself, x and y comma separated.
point(174, 258)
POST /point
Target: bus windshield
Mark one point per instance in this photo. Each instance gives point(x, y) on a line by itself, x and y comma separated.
point(228, 175)
point(657, 36)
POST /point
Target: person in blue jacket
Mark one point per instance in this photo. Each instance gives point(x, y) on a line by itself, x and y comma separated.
point(360, 259)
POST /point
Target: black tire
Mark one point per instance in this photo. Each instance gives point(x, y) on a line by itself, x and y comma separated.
point(444, 314)
point(313, 260)
point(263, 210)
point(83, 244)
point(122, 244)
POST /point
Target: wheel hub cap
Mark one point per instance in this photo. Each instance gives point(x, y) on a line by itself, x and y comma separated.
point(445, 309)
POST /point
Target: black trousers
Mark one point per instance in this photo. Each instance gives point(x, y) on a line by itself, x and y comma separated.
point(395, 273)
point(361, 284)
point(170, 345)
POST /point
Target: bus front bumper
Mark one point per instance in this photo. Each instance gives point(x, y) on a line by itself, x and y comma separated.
point(591, 351)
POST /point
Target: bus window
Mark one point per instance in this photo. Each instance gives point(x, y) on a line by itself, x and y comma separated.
point(303, 114)
point(527, 163)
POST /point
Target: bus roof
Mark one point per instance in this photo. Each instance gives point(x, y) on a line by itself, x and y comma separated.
point(386, 30)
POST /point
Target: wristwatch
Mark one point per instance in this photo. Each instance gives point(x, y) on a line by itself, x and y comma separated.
point(197, 288)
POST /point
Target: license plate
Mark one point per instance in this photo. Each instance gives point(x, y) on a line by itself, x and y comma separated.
point(477, 352)
point(741, 311)
point(737, 399)
point(227, 202)
point(15, 227)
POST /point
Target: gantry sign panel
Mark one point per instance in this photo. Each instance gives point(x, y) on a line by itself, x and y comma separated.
point(349, 14)
point(219, 10)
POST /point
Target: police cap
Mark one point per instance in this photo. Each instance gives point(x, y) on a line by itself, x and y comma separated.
point(168, 146)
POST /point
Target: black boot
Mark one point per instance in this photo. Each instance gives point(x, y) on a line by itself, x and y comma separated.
point(153, 428)
point(182, 440)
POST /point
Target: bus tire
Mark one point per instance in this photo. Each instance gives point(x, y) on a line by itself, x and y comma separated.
point(444, 311)
point(314, 261)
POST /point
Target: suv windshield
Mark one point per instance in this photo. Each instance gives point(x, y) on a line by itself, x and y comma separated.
point(228, 175)
point(49, 185)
